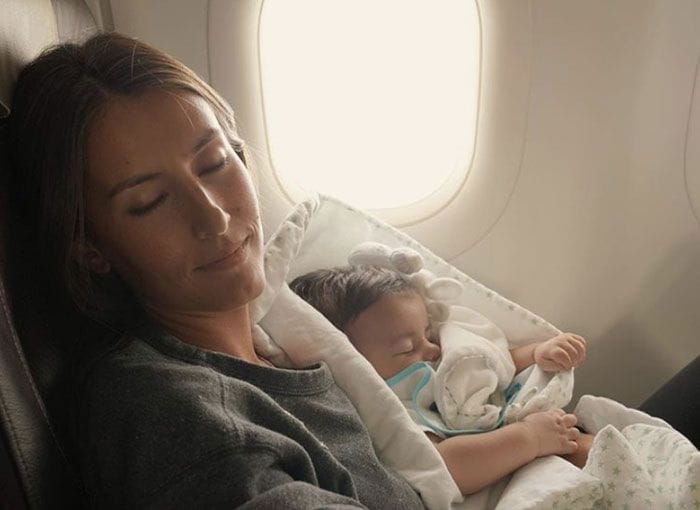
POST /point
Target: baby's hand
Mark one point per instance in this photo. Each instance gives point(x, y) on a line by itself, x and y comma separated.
point(553, 432)
point(560, 353)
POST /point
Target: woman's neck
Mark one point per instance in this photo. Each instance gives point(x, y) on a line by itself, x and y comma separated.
point(229, 332)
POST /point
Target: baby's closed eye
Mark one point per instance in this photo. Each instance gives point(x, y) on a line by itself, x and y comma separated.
point(403, 347)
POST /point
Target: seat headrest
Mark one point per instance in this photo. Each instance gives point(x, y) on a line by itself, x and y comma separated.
point(34, 420)
point(29, 26)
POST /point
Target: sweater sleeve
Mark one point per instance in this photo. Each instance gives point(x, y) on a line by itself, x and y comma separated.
point(256, 478)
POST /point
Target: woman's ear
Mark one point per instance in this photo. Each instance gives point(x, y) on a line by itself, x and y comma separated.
point(87, 255)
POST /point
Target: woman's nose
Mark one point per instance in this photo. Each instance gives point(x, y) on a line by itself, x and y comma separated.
point(209, 218)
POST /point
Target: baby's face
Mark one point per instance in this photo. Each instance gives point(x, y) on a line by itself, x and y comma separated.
point(394, 333)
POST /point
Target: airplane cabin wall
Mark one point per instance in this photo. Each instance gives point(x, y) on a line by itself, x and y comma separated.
point(583, 198)
point(599, 235)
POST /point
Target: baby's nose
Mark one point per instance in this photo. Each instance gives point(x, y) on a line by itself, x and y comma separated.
point(432, 352)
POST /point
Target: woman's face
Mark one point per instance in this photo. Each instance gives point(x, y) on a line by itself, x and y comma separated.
point(170, 207)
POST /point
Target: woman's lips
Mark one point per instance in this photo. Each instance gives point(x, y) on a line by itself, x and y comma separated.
point(229, 260)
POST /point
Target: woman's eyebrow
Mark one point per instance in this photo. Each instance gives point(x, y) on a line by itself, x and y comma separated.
point(206, 137)
point(203, 140)
point(133, 181)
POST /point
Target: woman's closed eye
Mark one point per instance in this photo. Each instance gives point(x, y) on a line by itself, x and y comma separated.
point(145, 209)
point(216, 167)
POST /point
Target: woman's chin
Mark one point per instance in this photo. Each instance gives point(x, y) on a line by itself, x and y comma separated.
point(239, 292)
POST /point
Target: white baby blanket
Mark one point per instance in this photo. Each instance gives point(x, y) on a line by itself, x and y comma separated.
point(321, 233)
point(475, 376)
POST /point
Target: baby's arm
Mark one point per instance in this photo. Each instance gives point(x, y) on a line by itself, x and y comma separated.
point(561, 352)
point(478, 460)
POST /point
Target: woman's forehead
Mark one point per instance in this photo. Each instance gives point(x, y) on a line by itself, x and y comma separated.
point(140, 133)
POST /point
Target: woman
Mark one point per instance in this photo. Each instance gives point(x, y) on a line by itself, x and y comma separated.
point(129, 174)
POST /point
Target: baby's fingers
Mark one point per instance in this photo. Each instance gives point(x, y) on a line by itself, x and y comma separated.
point(562, 358)
point(570, 447)
point(579, 338)
point(573, 434)
point(579, 344)
point(569, 420)
point(572, 351)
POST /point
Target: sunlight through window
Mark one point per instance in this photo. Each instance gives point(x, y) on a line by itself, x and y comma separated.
point(371, 101)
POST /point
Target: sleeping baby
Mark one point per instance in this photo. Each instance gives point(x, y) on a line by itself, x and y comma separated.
point(483, 434)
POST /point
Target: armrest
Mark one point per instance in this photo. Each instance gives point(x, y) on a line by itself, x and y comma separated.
point(678, 402)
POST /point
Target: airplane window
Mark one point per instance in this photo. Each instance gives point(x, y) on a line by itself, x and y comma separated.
point(372, 102)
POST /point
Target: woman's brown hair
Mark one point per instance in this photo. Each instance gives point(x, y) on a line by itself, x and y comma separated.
point(57, 97)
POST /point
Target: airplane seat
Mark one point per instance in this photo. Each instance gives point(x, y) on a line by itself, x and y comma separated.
point(678, 401)
point(36, 466)
point(36, 460)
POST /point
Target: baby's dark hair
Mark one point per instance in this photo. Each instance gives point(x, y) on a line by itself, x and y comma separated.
point(342, 293)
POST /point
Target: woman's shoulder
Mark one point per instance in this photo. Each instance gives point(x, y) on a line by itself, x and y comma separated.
point(131, 368)
point(157, 414)
point(147, 371)
point(133, 390)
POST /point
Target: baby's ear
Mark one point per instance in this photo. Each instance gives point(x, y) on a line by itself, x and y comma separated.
point(88, 255)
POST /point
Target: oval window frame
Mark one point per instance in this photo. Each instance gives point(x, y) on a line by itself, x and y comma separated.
point(411, 212)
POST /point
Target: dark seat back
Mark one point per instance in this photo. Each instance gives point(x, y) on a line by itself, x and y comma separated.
point(37, 469)
point(34, 466)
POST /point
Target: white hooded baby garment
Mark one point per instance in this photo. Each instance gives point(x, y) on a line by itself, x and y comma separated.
point(472, 389)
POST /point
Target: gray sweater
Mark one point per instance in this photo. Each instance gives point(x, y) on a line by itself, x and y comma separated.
point(168, 425)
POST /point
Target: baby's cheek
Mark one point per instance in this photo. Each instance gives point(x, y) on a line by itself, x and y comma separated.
point(408, 361)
